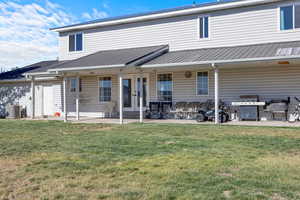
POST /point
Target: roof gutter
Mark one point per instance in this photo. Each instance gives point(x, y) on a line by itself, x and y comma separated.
point(183, 12)
point(234, 61)
point(40, 74)
point(86, 68)
point(14, 81)
point(27, 80)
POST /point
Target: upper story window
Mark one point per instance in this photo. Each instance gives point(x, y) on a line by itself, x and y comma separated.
point(202, 83)
point(75, 42)
point(290, 17)
point(204, 27)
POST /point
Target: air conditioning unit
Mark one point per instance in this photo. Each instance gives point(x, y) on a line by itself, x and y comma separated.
point(13, 111)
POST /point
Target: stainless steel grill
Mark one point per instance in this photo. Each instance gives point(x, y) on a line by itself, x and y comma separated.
point(249, 107)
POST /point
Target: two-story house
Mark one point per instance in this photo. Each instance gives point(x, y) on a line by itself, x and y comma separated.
point(212, 51)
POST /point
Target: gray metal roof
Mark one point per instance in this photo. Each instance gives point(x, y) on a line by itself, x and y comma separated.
point(119, 57)
point(45, 68)
point(17, 74)
point(150, 13)
point(258, 51)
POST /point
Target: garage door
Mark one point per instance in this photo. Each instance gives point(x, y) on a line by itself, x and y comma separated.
point(48, 104)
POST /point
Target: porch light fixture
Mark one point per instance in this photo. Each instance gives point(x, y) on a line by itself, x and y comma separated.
point(188, 74)
point(283, 62)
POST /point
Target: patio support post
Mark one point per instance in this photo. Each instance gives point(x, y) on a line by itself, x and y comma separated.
point(121, 97)
point(141, 96)
point(216, 72)
point(77, 97)
point(32, 97)
point(65, 99)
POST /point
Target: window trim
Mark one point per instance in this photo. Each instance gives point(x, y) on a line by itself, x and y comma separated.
point(294, 29)
point(156, 85)
point(111, 89)
point(209, 27)
point(208, 75)
point(75, 33)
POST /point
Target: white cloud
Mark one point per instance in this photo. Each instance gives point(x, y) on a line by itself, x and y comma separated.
point(25, 37)
point(96, 14)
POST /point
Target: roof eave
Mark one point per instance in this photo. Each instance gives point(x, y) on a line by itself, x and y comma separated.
point(86, 68)
point(165, 15)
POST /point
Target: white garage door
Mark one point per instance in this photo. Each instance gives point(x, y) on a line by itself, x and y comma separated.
point(48, 104)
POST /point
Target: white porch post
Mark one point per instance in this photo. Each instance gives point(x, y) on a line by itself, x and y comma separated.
point(32, 97)
point(216, 72)
point(141, 97)
point(77, 97)
point(121, 97)
point(65, 99)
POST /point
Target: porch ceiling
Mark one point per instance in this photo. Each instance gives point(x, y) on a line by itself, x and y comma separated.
point(225, 55)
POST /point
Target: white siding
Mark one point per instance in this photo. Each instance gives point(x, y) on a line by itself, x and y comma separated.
point(57, 96)
point(89, 97)
point(227, 28)
point(268, 82)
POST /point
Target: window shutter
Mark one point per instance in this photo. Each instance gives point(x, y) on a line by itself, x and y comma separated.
point(297, 16)
point(71, 42)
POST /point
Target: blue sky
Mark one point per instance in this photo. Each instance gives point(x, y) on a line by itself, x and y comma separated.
point(117, 7)
point(24, 24)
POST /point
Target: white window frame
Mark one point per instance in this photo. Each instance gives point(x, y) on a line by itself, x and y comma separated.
point(156, 83)
point(80, 84)
point(208, 74)
point(209, 27)
point(294, 14)
point(111, 89)
point(75, 33)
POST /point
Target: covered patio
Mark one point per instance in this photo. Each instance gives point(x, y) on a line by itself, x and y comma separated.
point(121, 84)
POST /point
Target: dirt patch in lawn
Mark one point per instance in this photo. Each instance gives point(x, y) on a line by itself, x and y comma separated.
point(283, 160)
point(10, 165)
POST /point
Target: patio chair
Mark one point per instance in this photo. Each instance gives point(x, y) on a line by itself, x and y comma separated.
point(193, 108)
point(278, 109)
point(179, 110)
point(166, 108)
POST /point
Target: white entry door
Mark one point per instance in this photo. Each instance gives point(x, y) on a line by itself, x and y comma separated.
point(131, 92)
point(48, 104)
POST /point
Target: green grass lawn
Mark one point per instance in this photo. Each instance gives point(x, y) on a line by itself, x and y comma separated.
point(54, 160)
